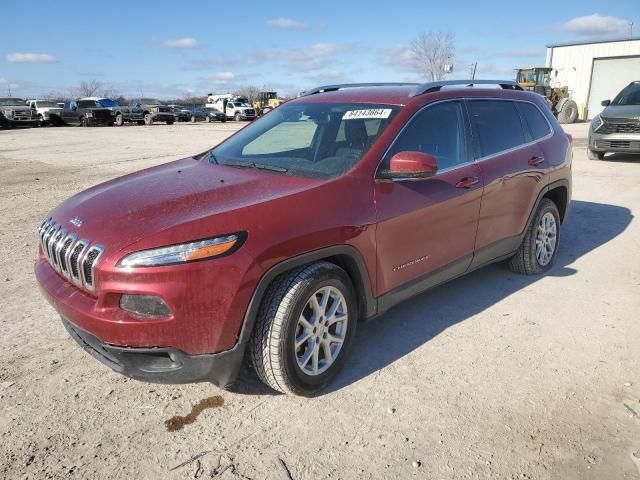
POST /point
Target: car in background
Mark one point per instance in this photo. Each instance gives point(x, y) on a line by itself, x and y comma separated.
point(15, 112)
point(207, 115)
point(154, 111)
point(86, 113)
point(47, 111)
point(122, 113)
point(617, 127)
point(237, 110)
point(181, 113)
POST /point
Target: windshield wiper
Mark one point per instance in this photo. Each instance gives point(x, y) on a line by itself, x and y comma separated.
point(257, 166)
point(212, 157)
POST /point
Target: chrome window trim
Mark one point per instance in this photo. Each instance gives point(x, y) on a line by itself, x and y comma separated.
point(518, 147)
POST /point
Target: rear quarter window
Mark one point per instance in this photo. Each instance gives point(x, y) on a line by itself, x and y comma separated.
point(538, 125)
point(497, 124)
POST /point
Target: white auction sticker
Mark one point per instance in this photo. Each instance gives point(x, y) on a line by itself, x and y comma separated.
point(368, 113)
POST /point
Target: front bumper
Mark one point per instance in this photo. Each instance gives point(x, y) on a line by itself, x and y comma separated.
point(161, 365)
point(163, 117)
point(614, 142)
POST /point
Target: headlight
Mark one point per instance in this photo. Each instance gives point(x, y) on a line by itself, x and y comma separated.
point(89, 114)
point(596, 123)
point(185, 252)
point(9, 113)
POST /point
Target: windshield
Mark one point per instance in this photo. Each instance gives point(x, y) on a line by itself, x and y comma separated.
point(307, 139)
point(107, 102)
point(45, 103)
point(8, 102)
point(630, 95)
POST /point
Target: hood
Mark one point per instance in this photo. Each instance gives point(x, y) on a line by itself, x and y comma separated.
point(170, 196)
point(50, 109)
point(20, 108)
point(631, 112)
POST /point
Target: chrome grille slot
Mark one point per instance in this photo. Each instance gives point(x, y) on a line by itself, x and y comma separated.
point(50, 240)
point(89, 263)
point(74, 261)
point(66, 244)
point(56, 244)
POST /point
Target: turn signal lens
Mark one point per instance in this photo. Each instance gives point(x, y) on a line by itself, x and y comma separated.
point(212, 250)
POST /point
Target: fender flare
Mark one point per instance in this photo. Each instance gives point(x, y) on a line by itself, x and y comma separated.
point(362, 283)
point(561, 103)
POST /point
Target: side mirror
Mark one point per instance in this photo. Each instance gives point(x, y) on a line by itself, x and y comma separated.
point(412, 165)
point(605, 103)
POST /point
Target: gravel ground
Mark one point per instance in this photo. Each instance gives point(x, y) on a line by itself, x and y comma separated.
point(493, 375)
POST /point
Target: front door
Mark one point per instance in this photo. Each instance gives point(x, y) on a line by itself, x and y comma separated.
point(427, 228)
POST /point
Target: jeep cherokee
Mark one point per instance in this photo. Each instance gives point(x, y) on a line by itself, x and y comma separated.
point(330, 209)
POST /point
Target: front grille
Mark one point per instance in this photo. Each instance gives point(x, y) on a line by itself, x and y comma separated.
point(619, 125)
point(22, 114)
point(74, 259)
point(102, 114)
point(249, 112)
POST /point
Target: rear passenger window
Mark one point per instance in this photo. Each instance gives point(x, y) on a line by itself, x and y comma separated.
point(437, 130)
point(497, 124)
point(538, 125)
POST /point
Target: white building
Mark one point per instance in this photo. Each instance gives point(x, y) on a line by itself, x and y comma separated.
point(594, 71)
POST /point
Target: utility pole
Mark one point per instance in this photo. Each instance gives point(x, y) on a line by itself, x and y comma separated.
point(630, 29)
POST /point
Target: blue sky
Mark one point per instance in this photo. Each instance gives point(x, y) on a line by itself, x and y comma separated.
point(168, 48)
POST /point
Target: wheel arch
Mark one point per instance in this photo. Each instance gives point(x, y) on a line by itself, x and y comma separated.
point(345, 256)
point(559, 195)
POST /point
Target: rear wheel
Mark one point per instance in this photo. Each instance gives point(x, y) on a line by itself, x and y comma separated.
point(539, 247)
point(304, 329)
point(169, 122)
point(595, 155)
point(193, 119)
point(208, 119)
point(119, 120)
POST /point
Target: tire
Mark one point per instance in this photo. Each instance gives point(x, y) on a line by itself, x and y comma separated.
point(237, 117)
point(208, 119)
point(224, 119)
point(148, 119)
point(288, 298)
point(193, 119)
point(84, 122)
point(119, 120)
point(569, 112)
point(140, 122)
point(595, 155)
point(526, 260)
point(169, 122)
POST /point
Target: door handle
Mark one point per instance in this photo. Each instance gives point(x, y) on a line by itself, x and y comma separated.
point(535, 161)
point(467, 182)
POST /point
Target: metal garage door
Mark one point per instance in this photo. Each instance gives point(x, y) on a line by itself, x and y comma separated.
point(609, 76)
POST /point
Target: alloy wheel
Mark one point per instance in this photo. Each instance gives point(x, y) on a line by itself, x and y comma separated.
point(546, 238)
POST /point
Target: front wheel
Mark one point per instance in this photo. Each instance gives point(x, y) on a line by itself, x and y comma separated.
point(595, 155)
point(208, 119)
point(148, 119)
point(84, 122)
point(539, 247)
point(304, 328)
point(237, 117)
point(193, 119)
point(119, 120)
point(169, 122)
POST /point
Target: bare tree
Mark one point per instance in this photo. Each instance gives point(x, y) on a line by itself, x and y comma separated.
point(432, 52)
point(108, 91)
point(88, 88)
point(249, 91)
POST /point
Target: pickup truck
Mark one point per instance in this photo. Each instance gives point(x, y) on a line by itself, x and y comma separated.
point(121, 114)
point(86, 113)
point(14, 111)
point(47, 111)
point(155, 111)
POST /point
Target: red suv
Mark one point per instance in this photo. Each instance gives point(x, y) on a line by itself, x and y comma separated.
point(328, 210)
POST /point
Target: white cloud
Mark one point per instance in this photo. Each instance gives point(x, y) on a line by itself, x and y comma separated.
point(220, 76)
point(287, 24)
point(30, 58)
point(525, 53)
point(596, 25)
point(180, 43)
point(314, 57)
point(399, 58)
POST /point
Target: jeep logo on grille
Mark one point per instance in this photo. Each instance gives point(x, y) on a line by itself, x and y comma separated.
point(77, 221)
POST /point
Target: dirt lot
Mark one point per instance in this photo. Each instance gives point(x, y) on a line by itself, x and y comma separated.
point(491, 376)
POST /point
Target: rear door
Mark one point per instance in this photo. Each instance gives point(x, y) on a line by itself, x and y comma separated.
point(514, 171)
point(428, 226)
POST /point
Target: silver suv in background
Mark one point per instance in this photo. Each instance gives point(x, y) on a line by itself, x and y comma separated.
point(617, 128)
point(47, 111)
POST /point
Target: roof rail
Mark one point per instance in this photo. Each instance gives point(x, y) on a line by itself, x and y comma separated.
point(333, 88)
point(435, 86)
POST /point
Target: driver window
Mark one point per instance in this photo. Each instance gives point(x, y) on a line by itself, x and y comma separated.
point(437, 130)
